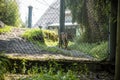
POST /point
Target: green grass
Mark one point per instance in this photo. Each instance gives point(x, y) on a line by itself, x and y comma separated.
point(4, 64)
point(50, 35)
point(49, 38)
point(98, 51)
point(54, 50)
point(51, 76)
point(53, 71)
point(84, 47)
point(5, 29)
point(50, 43)
point(33, 35)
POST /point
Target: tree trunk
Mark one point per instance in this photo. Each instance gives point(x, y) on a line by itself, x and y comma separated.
point(117, 67)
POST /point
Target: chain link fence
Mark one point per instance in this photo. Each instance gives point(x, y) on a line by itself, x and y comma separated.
point(87, 36)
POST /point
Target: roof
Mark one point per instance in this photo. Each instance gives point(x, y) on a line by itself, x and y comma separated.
point(51, 16)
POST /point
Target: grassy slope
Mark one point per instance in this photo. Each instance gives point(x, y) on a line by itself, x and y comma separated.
point(98, 51)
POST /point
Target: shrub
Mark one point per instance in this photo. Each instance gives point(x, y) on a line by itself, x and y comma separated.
point(50, 35)
point(50, 75)
point(5, 29)
point(4, 63)
point(34, 35)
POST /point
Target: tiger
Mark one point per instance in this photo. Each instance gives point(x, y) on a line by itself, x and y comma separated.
point(63, 40)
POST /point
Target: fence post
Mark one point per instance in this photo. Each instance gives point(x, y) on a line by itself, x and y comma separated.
point(30, 16)
point(117, 65)
point(62, 19)
point(113, 29)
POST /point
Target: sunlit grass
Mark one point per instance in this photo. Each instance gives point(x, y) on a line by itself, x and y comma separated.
point(50, 43)
point(98, 51)
point(49, 38)
point(5, 29)
point(50, 35)
point(33, 35)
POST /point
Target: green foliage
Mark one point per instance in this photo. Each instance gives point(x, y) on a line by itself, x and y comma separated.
point(50, 38)
point(100, 51)
point(50, 43)
point(19, 67)
point(51, 73)
point(9, 12)
point(33, 70)
point(4, 63)
point(23, 66)
point(83, 47)
point(34, 35)
point(97, 50)
point(14, 68)
point(5, 29)
point(50, 35)
point(50, 76)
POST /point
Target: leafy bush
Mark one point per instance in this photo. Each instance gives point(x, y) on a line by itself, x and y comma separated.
point(41, 35)
point(50, 75)
point(51, 43)
point(62, 76)
point(9, 12)
point(52, 71)
point(50, 35)
point(5, 29)
point(34, 35)
point(3, 66)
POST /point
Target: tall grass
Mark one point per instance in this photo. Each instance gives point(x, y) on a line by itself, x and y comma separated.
point(50, 35)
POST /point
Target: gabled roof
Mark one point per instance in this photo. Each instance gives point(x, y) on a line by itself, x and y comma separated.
point(52, 14)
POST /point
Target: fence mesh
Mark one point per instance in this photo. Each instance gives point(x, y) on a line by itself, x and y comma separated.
point(87, 30)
